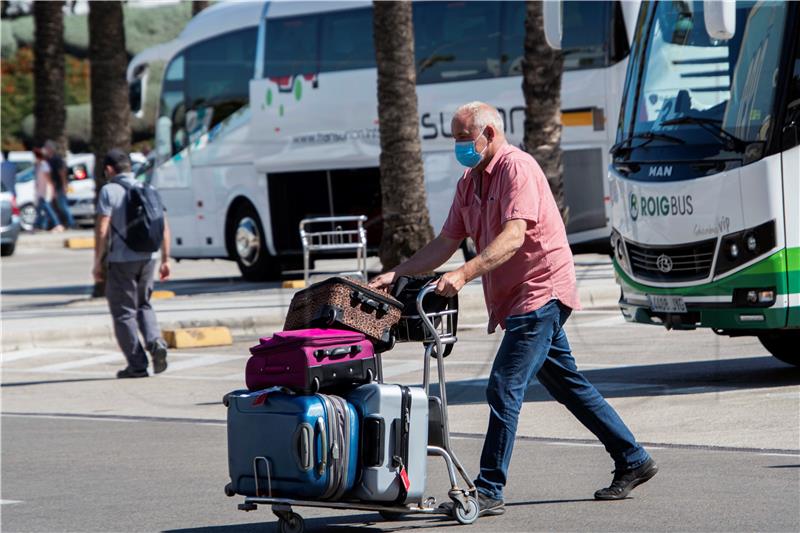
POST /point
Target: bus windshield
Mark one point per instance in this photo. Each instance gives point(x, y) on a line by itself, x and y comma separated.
point(700, 98)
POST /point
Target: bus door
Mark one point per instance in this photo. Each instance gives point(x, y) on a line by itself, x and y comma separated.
point(173, 174)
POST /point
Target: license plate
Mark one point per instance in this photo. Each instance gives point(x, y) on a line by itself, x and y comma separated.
point(667, 304)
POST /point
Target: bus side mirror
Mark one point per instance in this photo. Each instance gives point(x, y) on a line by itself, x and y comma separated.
point(720, 18)
point(551, 13)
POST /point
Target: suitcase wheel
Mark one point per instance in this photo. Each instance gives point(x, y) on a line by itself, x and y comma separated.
point(229, 492)
point(291, 523)
point(315, 386)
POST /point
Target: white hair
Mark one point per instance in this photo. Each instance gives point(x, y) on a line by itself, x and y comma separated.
point(482, 115)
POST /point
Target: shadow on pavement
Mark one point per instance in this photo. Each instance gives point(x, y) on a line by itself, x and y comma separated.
point(52, 382)
point(341, 524)
point(655, 380)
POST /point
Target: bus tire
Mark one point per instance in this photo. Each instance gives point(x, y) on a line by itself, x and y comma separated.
point(782, 344)
point(248, 244)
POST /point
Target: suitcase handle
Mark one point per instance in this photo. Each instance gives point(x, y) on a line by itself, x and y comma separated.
point(323, 460)
point(369, 302)
point(337, 352)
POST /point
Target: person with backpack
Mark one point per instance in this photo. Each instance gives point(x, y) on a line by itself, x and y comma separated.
point(130, 215)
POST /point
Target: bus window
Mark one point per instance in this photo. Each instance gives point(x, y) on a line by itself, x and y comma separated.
point(586, 31)
point(291, 46)
point(346, 41)
point(791, 131)
point(512, 38)
point(586, 26)
point(218, 72)
point(456, 41)
point(170, 134)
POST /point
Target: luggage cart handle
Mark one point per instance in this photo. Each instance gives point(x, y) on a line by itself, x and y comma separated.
point(429, 288)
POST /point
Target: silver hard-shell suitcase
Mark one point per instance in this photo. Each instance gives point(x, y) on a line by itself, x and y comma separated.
point(394, 437)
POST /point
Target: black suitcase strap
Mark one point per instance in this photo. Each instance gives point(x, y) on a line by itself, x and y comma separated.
point(400, 460)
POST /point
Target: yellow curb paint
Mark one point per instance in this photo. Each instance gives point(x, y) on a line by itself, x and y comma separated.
point(79, 243)
point(197, 337)
point(162, 295)
point(294, 284)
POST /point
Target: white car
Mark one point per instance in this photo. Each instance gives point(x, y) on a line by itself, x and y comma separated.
point(80, 189)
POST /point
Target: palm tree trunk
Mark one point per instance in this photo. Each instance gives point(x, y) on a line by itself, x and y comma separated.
point(541, 83)
point(110, 107)
point(50, 115)
point(198, 6)
point(406, 224)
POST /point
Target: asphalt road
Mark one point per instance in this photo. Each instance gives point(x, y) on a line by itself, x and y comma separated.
point(82, 451)
point(140, 475)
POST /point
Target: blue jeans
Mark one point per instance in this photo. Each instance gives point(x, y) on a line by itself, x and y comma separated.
point(535, 344)
point(63, 206)
point(45, 215)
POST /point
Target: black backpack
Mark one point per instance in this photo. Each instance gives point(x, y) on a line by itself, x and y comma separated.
point(144, 214)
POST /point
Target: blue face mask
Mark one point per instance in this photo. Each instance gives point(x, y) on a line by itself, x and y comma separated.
point(466, 153)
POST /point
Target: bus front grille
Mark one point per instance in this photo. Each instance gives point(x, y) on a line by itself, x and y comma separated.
point(687, 262)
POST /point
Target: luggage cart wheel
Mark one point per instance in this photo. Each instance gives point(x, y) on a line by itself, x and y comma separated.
point(469, 515)
point(291, 523)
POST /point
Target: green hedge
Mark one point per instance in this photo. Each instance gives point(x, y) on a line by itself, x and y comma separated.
point(144, 27)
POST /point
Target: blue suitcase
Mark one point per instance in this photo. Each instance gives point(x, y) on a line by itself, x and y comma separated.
point(303, 447)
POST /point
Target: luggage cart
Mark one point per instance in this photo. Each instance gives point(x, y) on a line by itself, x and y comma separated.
point(345, 233)
point(439, 333)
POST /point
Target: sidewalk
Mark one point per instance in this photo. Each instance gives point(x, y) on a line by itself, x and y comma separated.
point(208, 293)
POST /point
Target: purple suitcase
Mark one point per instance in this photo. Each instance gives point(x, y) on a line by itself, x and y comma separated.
point(310, 360)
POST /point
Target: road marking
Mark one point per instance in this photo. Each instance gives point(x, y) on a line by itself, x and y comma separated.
point(26, 354)
point(7, 502)
point(87, 361)
point(206, 360)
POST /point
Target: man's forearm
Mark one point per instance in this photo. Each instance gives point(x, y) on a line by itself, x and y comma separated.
point(428, 258)
point(100, 244)
point(166, 244)
point(498, 252)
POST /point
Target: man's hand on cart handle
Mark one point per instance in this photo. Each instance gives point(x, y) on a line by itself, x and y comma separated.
point(450, 283)
point(384, 281)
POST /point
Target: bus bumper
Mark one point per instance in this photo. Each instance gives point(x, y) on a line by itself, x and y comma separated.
point(721, 304)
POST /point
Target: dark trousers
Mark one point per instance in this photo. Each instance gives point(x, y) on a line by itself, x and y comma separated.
point(128, 289)
point(535, 344)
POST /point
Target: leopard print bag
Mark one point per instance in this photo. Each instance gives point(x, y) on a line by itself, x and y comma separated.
point(346, 303)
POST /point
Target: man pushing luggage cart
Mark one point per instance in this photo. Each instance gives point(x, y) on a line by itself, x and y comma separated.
point(504, 203)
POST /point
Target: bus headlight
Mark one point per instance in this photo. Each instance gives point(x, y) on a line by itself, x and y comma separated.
point(738, 248)
point(751, 242)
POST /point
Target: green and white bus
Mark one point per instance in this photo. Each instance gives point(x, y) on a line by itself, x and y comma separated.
point(705, 173)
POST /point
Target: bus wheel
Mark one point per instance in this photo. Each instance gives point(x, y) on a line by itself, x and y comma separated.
point(249, 246)
point(783, 345)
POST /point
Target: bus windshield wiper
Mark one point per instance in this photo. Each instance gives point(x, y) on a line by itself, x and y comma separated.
point(649, 137)
point(714, 127)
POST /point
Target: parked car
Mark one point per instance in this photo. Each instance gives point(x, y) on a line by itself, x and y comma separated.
point(9, 222)
point(80, 189)
point(26, 198)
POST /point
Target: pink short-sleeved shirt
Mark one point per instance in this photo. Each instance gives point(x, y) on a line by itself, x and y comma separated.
point(514, 187)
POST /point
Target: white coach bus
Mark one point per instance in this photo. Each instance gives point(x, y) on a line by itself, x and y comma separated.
point(268, 114)
point(706, 172)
